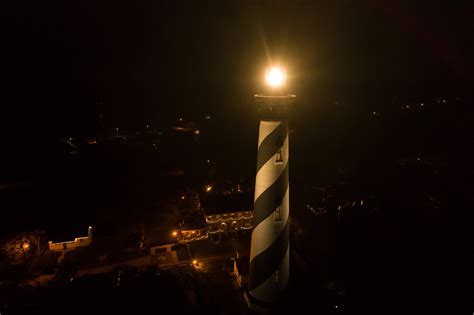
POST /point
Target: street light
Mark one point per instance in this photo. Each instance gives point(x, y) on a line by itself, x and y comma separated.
point(25, 246)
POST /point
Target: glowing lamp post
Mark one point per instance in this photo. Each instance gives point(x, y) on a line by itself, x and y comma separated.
point(25, 247)
point(269, 252)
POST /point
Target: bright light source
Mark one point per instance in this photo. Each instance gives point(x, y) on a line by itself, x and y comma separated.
point(26, 246)
point(208, 188)
point(275, 77)
point(195, 262)
point(175, 233)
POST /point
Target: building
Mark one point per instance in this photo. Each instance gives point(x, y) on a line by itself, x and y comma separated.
point(228, 214)
point(241, 268)
point(60, 244)
point(192, 228)
point(164, 255)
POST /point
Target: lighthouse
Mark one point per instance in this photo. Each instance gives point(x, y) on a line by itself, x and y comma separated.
point(270, 248)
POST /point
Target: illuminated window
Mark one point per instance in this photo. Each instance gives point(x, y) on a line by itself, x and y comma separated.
point(278, 214)
point(279, 156)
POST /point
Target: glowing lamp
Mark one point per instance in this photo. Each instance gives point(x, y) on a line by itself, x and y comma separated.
point(275, 77)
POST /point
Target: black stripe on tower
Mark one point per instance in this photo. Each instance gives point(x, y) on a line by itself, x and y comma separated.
point(264, 265)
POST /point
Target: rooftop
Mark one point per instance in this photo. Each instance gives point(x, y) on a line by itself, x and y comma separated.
point(67, 232)
point(194, 222)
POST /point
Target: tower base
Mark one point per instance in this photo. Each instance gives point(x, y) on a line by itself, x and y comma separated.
point(254, 305)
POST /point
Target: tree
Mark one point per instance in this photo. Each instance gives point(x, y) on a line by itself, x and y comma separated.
point(18, 247)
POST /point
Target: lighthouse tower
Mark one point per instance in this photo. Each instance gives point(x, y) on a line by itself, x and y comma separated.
point(270, 250)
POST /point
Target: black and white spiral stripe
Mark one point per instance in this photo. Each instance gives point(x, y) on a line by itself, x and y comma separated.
point(269, 254)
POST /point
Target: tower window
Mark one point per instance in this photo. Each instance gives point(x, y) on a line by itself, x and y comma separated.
point(276, 276)
point(279, 156)
point(278, 214)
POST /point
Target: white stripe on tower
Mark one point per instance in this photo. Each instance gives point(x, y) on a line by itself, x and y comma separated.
point(269, 254)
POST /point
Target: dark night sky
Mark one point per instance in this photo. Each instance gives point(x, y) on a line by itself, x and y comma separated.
point(150, 59)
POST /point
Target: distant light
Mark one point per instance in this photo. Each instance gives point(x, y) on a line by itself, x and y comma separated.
point(26, 246)
point(195, 262)
point(182, 197)
point(196, 132)
point(175, 233)
point(208, 161)
point(422, 104)
point(208, 188)
point(181, 119)
point(208, 117)
point(275, 77)
point(147, 126)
